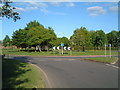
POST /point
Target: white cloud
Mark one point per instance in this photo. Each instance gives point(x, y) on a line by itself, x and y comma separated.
point(70, 4)
point(114, 8)
point(55, 3)
point(31, 6)
point(96, 10)
point(37, 4)
point(45, 11)
point(42, 7)
point(57, 13)
point(20, 9)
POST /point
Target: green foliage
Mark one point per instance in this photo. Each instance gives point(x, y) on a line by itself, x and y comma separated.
point(8, 11)
point(81, 37)
point(58, 41)
point(98, 38)
point(19, 38)
point(49, 37)
point(114, 38)
point(36, 35)
point(33, 24)
point(6, 41)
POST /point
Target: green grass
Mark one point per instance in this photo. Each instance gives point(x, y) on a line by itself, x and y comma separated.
point(17, 74)
point(102, 59)
point(56, 53)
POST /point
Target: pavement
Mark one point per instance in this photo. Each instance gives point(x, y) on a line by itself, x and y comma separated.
point(73, 72)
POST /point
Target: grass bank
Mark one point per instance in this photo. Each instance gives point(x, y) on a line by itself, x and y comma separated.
point(102, 59)
point(17, 74)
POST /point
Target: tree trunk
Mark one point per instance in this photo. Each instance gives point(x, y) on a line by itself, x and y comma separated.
point(35, 48)
point(39, 47)
point(47, 48)
point(83, 48)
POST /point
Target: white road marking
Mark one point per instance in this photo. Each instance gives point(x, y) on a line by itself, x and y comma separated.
point(115, 61)
point(112, 66)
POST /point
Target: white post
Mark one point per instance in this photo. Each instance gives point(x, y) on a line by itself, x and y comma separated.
point(62, 49)
point(59, 51)
point(105, 50)
point(110, 50)
point(70, 52)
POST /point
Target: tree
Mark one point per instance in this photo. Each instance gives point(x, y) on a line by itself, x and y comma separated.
point(6, 41)
point(19, 38)
point(33, 24)
point(37, 36)
point(8, 11)
point(113, 38)
point(34, 35)
point(50, 36)
point(81, 37)
point(40, 36)
point(92, 38)
point(98, 38)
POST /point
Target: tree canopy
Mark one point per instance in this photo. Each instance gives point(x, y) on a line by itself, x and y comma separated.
point(98, 38)
point(6, 41)
point(81, 37)
point(36, 35)
point(114, 38)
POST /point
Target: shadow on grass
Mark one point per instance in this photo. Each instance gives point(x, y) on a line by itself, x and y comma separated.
point(11, 70)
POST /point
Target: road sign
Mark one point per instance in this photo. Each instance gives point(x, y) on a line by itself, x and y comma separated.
point(108, 45)
point(69, 48)
point(54, 47)
point(62, 44)
point(58, 47)
point(65, 48)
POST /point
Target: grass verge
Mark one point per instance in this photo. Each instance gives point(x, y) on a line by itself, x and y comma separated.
point(102, 59)
point(17, 74)
point(56, 53)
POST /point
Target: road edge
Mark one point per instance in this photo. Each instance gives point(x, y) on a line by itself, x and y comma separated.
point(45, 78)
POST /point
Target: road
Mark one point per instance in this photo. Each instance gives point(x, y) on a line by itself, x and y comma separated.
point(73, 72)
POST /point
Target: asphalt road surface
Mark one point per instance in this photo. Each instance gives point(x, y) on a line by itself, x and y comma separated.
point(73, 72)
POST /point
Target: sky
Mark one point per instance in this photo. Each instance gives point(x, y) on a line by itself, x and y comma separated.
point(64, 17)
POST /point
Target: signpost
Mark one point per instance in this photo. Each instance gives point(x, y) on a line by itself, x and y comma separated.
point(109, 45)
point(105, 50)
point(58, 49)
point(62, 44)
point(110, 50)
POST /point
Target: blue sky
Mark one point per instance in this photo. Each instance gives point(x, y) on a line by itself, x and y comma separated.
point(64, 17)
